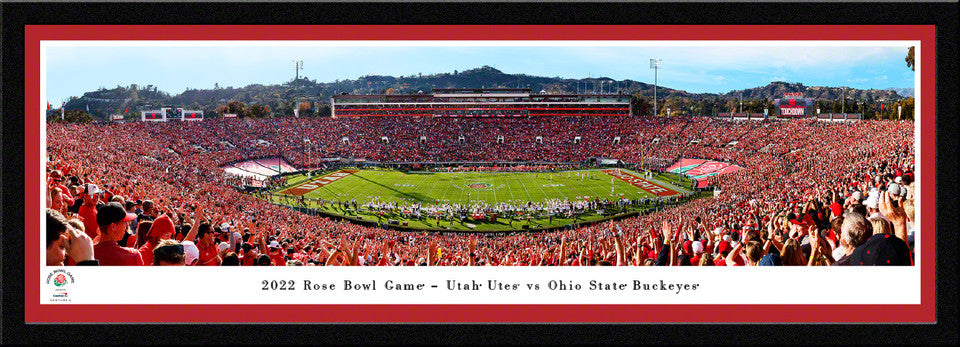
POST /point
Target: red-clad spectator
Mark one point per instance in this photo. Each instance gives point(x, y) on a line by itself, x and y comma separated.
point(209, 251)
point(789, 166)
point(161, 229)
point(249, 255)
point(88, 211)
point(275, 254)
point(113, 221)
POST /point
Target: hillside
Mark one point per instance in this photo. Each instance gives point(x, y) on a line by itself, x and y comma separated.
point(284, 97)
point(776, 89)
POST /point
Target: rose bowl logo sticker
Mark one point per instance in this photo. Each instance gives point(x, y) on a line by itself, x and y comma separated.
point(479, 185)
point(59, 280)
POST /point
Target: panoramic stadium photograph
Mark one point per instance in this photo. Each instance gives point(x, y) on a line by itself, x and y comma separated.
point(469, 154)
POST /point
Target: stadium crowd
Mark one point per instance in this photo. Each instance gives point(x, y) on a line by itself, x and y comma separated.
point(811, 193)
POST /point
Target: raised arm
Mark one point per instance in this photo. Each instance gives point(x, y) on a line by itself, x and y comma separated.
point(563, 250)
point(431, 251)
point(473, 249)
point(350, 250)
point(196, 225)
point(673, 253)
point(664, 256)
point(895, 214)
point(815, 249)
point(639, 256)
point(261, 241)
point(621, 256)
point(733, 254)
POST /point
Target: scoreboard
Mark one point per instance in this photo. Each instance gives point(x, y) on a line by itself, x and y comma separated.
point(794, 105)
point(155, 116)
point(171, 113)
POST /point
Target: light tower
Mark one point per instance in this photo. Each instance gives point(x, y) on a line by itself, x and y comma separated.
point(297, 66)
point(655, 65)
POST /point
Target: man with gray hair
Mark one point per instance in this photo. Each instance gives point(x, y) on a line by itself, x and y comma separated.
point(855, 231)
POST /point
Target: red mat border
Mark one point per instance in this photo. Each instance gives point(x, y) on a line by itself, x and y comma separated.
point(36, 312)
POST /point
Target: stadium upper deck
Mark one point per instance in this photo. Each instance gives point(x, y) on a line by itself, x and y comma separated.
point(496, 102)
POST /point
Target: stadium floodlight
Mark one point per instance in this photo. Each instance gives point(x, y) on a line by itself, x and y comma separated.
point(297, 66)
point(655, 65)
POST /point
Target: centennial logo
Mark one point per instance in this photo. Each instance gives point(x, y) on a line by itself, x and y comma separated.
point(59, 279)
point(480, 185)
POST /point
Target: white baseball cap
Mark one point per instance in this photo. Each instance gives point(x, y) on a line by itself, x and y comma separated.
point(190, 252)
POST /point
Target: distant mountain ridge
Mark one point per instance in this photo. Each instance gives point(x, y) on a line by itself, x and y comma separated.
point(287, 95)
point(904, 92)
point(776, 90)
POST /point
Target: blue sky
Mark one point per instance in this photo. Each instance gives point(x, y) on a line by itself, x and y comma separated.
point(71, 71)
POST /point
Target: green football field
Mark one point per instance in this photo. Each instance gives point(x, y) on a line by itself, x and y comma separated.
point(463, 188)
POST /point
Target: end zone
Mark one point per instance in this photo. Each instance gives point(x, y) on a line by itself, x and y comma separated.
point(310, 186)
point(641, 183)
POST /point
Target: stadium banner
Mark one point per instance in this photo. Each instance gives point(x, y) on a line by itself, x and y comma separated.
point(229, 115)
point(684, 164)
point(839, 117)
point(725, 170)
point(699, 169)
point(705, 168)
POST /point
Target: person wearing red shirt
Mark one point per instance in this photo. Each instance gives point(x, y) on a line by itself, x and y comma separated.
point(249, 256)
point(209, 252)
point(113, 221)
point(162, 229)
point(723, 249)
point(293, 255)
point(275, 255)
point(88, 211)
point(697, 249)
